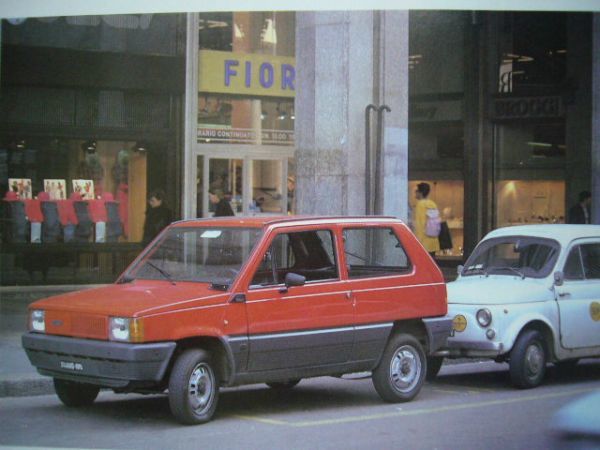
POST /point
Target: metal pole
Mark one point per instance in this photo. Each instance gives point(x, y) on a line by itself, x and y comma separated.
point(368, 159)
point(378, 162)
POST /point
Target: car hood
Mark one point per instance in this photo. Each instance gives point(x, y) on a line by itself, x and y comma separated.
point(497, 289)
point(135, 299)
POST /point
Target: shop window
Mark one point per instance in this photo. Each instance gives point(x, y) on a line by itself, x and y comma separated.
point(449, 197)
point(529, 173)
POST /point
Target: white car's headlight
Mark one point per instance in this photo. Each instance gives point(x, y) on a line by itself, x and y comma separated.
point(37, 321)
point(484, 317)
point(125, 329)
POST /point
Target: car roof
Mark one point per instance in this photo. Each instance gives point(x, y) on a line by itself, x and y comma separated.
point(263, 221)
point(559, 232)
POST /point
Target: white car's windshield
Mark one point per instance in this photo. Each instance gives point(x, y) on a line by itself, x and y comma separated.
point(201, 254)
point(513, 255)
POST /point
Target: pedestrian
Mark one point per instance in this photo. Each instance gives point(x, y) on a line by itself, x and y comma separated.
point(222, 206)
point(426, 220)
point(580, 213)
point(158, 216)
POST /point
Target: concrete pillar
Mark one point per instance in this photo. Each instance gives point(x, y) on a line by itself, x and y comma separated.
point(345, 61)
point(191, 118)
point(595, 146)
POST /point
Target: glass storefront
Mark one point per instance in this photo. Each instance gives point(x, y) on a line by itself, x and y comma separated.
point(246, 113)
point(530, 151)
point(81, 149)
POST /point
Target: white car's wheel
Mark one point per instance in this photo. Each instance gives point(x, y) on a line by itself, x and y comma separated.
point(528, 360)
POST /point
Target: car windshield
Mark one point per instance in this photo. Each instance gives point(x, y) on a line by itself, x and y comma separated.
point(513, 255)
point(200, 254)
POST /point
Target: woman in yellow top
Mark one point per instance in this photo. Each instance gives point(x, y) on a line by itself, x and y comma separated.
point(431, 244)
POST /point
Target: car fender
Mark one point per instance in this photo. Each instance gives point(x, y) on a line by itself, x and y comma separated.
point(523, 321)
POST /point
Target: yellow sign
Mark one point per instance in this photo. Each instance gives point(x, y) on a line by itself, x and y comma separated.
point(595, 311)
point(246, 74)
point(459, 323)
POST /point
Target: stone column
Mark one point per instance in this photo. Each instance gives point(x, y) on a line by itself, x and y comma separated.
point(345, 61)
point(595, 150)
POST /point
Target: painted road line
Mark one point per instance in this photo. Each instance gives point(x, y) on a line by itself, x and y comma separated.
point(418, 411)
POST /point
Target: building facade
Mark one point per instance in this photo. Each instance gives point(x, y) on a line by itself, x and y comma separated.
point(285, 113)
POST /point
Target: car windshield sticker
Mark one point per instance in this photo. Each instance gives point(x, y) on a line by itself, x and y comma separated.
point(211, 234)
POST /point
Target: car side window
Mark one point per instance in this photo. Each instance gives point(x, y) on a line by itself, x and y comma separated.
point(307, 253)
point(590, 256)
point(374, 252)
point(573, 269)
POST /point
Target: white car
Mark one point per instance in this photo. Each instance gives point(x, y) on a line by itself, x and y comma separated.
point(528, 295)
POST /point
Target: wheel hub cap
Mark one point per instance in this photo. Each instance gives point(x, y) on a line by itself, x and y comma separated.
point(405, 368)
point(200, 387)
point(534, 359)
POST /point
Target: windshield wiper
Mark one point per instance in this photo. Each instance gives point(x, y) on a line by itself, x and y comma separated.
point(518, 272)
point(164, 273)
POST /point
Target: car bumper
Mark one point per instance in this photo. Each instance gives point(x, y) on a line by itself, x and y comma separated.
point(110, 364)
point(438, 331)
point(474, 349)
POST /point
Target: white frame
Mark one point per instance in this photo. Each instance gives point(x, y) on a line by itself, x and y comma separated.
point(247, 153)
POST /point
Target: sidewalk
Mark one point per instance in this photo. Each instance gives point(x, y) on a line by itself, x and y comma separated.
point(17, 376)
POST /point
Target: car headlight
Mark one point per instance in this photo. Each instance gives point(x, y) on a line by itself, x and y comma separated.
point(484, 317)
point(37, 321)
point(125, 329)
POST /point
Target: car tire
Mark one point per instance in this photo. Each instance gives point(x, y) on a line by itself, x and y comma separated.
point(401, 371)
point(75, 394)
point(528, 360)
point(434, 364)
point(289, 384)
point(193, 388)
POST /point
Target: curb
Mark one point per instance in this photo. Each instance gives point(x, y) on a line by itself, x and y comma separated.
point(26, 386)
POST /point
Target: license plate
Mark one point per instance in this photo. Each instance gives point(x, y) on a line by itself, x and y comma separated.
point(68, 365)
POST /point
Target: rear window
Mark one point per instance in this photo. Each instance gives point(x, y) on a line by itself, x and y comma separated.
point(374, 252)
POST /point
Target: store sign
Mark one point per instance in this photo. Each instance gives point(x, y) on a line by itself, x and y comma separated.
point(245, 136)
point(246, 74)
point(527, 108)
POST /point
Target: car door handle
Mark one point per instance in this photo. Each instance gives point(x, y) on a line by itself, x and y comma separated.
point(349, 295)
point(563, 294)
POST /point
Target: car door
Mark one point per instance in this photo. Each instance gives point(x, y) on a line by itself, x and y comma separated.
point(385, 285)
point(300, 326)
point(579, 296)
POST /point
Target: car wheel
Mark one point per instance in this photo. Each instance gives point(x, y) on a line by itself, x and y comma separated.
point(283, 384)
point(75, 394)
point(528, 360)
point(401, 372)
point(434, 364)
point(193, 388)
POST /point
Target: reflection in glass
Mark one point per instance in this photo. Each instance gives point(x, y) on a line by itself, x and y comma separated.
point(200, 254)
point(267, 190)
point(225, 182)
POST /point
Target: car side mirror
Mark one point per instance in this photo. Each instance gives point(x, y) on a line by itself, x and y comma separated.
point(559, 278)
point(459, 269)
point(292, 279)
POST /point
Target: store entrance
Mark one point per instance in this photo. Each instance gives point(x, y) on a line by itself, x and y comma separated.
point(247, 183)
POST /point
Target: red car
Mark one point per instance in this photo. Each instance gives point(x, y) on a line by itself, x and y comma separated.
point(231, 301)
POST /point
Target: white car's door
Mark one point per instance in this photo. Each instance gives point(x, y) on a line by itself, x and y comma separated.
point(579, 296)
